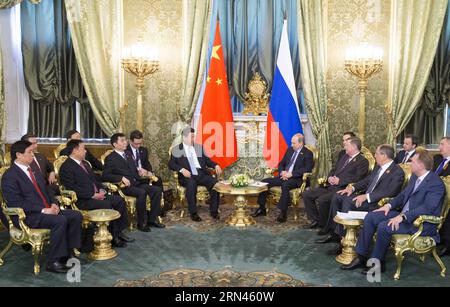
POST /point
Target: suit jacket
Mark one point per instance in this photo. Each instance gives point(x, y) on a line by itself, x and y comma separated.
point(45, 167)
point(303, 164)
point(117, 167)
point(19, 191)
point(354, 171)
point(143, 156)
point(401, 155)
point(178, 159)
point(426, 200)
point(96, 164)
point(74, 178)
point(389, 184)
point(446, 170)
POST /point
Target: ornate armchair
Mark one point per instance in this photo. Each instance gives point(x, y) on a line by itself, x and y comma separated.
point(297, 193)
point(117, 187)
point(202, 191)
point(22, 234)
point(422, 245)
point(7, 159)
point(367, 154)
point(68, 198)
point(57, 150)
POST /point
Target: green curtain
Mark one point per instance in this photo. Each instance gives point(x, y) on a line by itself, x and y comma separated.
point(312, 34)
point(50, 69)
point(428, 120)
point(415, 30)
point(51, 120)
point(251, 33)
point(197, 14)
point(89, 125)
point(6, 4)
point(96, 33)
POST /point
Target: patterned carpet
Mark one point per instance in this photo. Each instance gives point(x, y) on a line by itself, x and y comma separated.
point(221, 278)
point(267, 223)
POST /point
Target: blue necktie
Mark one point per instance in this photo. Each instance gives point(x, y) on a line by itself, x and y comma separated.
point(440, 167)
point(291, 162)
point(406, 207)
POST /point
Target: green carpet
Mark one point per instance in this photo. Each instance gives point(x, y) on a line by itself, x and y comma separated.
point(252, 249)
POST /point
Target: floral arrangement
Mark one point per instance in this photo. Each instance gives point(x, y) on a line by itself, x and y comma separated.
point(239, 180)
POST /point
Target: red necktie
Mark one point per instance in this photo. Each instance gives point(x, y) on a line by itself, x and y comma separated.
point(85, 169)
point(36, 186)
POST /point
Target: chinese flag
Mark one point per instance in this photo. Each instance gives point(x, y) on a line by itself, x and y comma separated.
point(215, 130)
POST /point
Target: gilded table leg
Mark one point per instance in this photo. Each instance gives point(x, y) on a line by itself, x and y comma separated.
point(240, 218)
point(102, 243)
point(5, 250)
point(348, 245)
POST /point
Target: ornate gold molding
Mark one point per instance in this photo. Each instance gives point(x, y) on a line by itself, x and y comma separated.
point(257, 99)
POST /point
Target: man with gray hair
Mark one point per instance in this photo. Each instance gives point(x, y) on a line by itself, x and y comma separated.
point(296, 161)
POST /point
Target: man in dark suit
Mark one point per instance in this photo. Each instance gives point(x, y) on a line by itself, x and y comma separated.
point(191, 162)
point(75, 135)
point(345, 138)
point(386, 180)
point(24, 188)
point(424, 195)
point(76, 175)
point(442, 169)
point(352, 167)
point(120, 167)
point(41, 165)
point(296, 161)
point(410, 143)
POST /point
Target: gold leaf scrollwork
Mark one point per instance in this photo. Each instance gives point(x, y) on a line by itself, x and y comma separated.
point(257, 99)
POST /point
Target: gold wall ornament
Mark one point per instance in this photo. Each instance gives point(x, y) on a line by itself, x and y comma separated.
point(257, 99)
point(141, 64)
point(363, 62)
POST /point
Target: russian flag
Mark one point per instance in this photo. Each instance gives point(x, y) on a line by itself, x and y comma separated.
point(283, 118)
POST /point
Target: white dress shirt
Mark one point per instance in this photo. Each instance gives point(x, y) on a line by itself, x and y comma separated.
point(190, 152)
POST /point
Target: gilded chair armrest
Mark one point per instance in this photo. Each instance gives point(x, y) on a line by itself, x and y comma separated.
point(306, 176)
point(69, 193)
point(419, 223)
point(322, 181)
point(111, 187)
point(8, 212)
point(15, 211)
point(384, 201)
point(427, 219)
point(270, 171)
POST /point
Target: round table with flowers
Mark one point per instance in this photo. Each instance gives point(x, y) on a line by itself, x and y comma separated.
point(240, 191)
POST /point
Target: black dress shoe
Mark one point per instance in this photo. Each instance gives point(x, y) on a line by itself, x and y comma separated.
point(125, 238)
point(331, 238)
point(215, 215)
point(367, 269)
point(56, 267)
point(355, 264)
point(144, 228)
point(26, 247)
point(259, 212)
point(156, 225)
point(282, 218)
point(116, 242)
point(312, 225)
point(323, 232)
point(196, 218)
point(335, 251)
